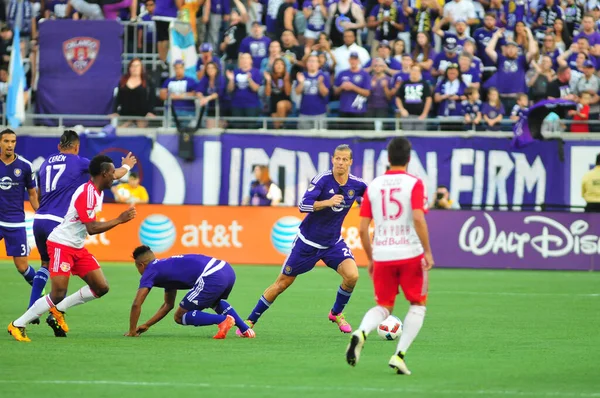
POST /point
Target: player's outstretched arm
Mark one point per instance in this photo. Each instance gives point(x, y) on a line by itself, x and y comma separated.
point(168, 305)
point(136, 310)
point(423, 234)
point(127, 164)
point(98, 227)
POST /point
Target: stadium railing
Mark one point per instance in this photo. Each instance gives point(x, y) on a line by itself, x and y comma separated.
point(133, 31)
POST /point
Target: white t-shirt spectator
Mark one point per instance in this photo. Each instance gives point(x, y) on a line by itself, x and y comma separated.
point(460, 9)
point(342, 57)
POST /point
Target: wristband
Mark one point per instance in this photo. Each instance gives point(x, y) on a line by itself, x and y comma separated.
point(126, 167)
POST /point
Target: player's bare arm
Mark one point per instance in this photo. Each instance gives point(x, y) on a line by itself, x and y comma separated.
point(127, 164)
point(33, 198)
point(98, 227)
point(363, 231)
point(165, 308)
point(423, 234)
point(136, 310)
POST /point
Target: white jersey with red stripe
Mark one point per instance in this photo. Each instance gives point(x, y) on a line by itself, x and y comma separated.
point(85, 203)
point(390, 200)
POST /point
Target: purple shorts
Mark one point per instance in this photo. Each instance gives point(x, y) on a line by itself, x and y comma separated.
point(209, 290)
point(41, 231)
point(304, 257)
point(15, 241)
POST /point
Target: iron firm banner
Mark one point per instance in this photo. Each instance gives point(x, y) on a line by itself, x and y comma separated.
point(80, 66)
point(265, 235)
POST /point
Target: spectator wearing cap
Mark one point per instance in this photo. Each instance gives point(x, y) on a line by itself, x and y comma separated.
point(449, 56)
point(561, 87)
point(256, 45)
point(353, 86)
point(388, 19)
point(460, 9)
point(449, 94)
point(243, 84)
point(413, 100)
point(314, 87)
point(547, 14)
point(470, 73)
point(344, 16)
point(177, 88)
point(483, 36)
point(460, 28)
point(219, 13)
point(235, 33)
point(342, 53)
point(206, 56)
point(511, 67)
point(315, 12)
point(384, 52)
point(378, 105)
point(590, 83)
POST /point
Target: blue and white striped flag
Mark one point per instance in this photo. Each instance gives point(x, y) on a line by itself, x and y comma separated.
point(15, 100)
point(183, 47)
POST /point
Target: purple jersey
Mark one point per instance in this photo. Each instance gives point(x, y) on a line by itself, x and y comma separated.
point(257, 48)
point(549, 15)
point(442, 60)
point(492, 112)
point(322, 229)
point(243, 96)
point(15, 179)
point(60, 175)
point(220, 7)
point(386, 31)
point(313, 103)
point(165, 8)
point(473, 75)
point(315, 21)
point(181, 86)
point(515, 11)
point(518, 111)
point(482, 37)
point(593, 38)
point(511, 75)
point(471, 108)
point(450, 107)
point(350, 101)
point(179, 272)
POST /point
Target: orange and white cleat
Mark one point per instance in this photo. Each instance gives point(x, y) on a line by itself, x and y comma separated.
point(248, 334)
point(224, 328)
point(18, 333)
point(60, 319)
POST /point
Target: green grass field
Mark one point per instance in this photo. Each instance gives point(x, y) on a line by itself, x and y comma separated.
point(487, 334)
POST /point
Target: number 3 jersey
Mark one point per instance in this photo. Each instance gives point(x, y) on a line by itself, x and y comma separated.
point(59, 177)
point(390, 201)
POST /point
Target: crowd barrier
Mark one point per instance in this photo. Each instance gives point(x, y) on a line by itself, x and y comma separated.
point(265, 235)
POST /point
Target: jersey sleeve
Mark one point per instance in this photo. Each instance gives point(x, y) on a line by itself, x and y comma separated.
point(147, 280)
point(311, 195)
point(85, 205)
point(418, 201)
point(365, 207)
point(84, 165)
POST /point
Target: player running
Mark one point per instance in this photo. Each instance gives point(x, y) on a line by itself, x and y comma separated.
point(68, 254)
point(210, 281)
point(400, 254)
point(327, 201)
point(60, 175)
point(16, 178)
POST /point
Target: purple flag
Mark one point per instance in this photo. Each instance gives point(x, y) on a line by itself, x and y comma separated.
point(80, 65)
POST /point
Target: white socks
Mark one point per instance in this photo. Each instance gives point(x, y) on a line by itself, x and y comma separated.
point(82, 296)
point(373, 318)
point(41, 306)
point(412, 324)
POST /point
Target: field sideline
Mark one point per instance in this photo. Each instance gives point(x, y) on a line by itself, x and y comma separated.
point(487, 334)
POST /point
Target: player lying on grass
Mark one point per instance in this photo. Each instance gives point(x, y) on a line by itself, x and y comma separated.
point(209, 282)
point(327, 202)
point(400, 254)
point(68, 254)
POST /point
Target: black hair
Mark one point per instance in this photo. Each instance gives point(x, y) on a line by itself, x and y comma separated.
point(344, 147)
point(442, 187)
point(6, 131)
point(399, 151)
point(99, 165)
point(133, 174)
point(598, 160)
point(68, 139)
point(140, 250)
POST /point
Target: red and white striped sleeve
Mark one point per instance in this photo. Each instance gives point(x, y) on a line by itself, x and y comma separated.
point(85, 204)
point(418, 200)
point(365, 206)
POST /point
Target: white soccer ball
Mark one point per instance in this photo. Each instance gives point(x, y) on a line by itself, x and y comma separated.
point(390, 329)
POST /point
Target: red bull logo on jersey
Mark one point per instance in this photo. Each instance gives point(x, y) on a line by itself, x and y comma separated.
point(81, 53)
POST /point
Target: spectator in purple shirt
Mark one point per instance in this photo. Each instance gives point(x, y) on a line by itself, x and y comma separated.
point(391, 65)
point(313, 85)
point(449, 56)
point(353, 86)
point(547, 14)
point(483, 36)
point(211, 89)
point(387, 18)
point(180, 89)
point(243, 84)
point(256, 45)
point(315, 12)
point(381, 91)
point(219, 13)
point(449, 94)
point(205, 56)
point(493, 111)
point(588, 31)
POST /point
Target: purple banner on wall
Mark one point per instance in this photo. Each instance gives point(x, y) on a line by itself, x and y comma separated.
point(80, 65)
point(522, 240)
point(478, 171)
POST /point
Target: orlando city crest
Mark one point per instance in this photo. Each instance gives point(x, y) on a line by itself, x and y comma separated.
point(81, 53)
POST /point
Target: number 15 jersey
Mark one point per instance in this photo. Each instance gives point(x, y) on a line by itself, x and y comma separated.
point(390, 200)
point(59, 177)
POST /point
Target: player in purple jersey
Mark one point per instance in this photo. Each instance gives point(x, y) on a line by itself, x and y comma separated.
point(16, 178)
point(327, 200)
point(60, 175)
point(208, 280)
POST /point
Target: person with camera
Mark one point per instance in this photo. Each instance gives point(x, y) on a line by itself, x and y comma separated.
point(442, 199)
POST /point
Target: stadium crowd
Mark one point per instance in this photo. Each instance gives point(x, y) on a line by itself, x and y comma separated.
point(474, 63)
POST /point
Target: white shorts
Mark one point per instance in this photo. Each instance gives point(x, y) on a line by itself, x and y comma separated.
point(311, 34)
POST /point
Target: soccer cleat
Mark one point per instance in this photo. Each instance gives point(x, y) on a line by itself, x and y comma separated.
point(18, 333)
point(224, 328)
point(399, 365)
point(341, 322)
point(247, 322)
point(35, 322)
point(357, 341)
point(248, 334)
point(53, 323)
point(60, 319)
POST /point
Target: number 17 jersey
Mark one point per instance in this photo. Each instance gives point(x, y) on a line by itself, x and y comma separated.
point(59, 177)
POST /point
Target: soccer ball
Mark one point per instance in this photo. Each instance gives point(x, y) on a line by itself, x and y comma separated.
point(390, 329)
